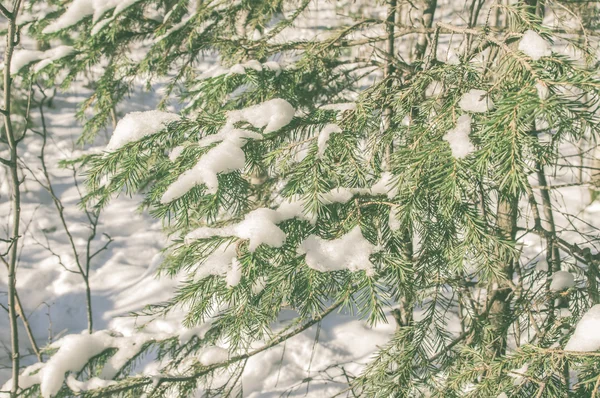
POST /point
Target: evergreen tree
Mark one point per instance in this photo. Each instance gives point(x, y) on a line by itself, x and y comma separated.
point(310, 177)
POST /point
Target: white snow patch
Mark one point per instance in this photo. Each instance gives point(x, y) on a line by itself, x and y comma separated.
point(273, 115)
point(385, 186)
point(458, 138)
point(199, 331)
point(542, 90)
point(351, 251)
point(273, 66)
point(80, 9)
point(90, 384)
point(228, 155)
point(534, 46)
point(213, 355)
point(562, 280)
point(476, 101)
point(22, 58)
point(586, 337)
point(259, 227)
point(137, 125)
point(324, 136)
point(74, 352)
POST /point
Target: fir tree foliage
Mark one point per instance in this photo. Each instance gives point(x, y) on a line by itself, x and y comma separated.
point(430, 220)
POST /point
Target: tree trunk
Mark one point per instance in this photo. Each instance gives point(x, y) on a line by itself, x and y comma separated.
point(500, 311)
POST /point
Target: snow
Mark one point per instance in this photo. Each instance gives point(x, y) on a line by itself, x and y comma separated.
point(458, 138)
point(213, 355)
point(273, 66)
point(562, 280)
point(324, 136)
point(259, 227)
point(240, 69)
point(518, 374)
point(219, 263)
point(228, 155)
point(341, 107)
point(81, 9)
point(199, 331)
point(137, 125)
point(586, 337)
point(22, 58)
point(542, 90)
point(272, 115)
point(351, 251)
point(235, 273)
point(90, 384)
point(223, 158)
point(534, 46)
point(393, 221)
point(476, 101)
point(385, 186)
point(74, 352)
point(340, 195)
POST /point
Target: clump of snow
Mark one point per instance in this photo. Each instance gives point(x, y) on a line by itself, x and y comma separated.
point(323, 137)
point(352, 251)
point(586, 337)
point(273, 66)
point(240, 69)
point(237, 69)
point(74, 352)
point(562, 280)
point(90, 384)
point(22, 58)
point(81, 9)
point(213, 355)
point(458, 138)
point(476, 101)
point(434, 89)
point(136, 125)
point(341, 195)
point(273, 115)
point(228, 155)
point(533, 45)
point(259, 227)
